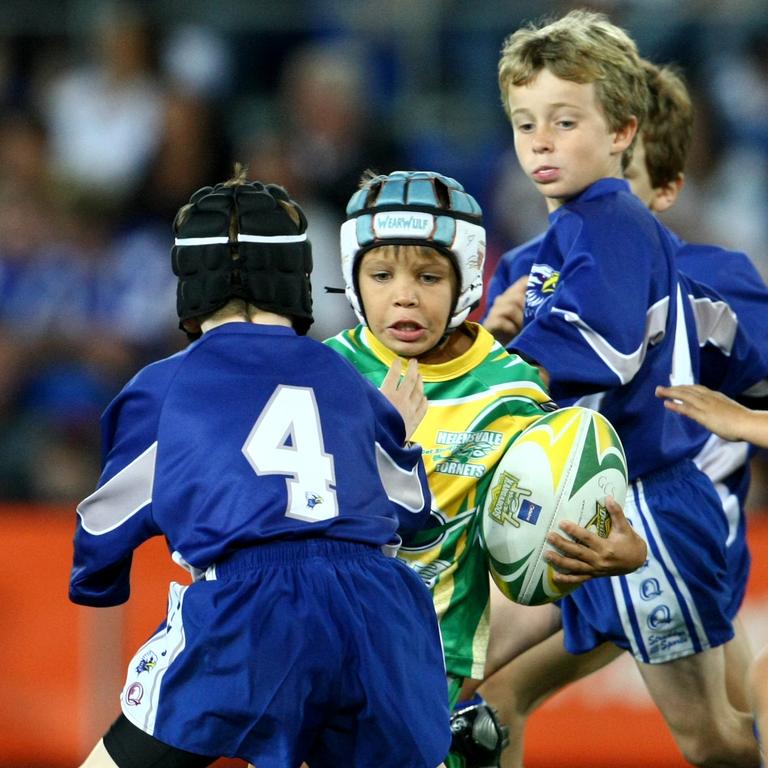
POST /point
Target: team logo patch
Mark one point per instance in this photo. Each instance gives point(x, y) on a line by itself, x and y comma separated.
point(313, 500)
point(542, 282)
point(461, 448)
point(147, 662)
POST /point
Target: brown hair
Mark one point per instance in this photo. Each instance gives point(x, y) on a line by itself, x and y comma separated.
point(668, 129)
point(583, 47)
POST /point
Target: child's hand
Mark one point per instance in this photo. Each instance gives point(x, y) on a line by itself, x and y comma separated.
point(713, 410)
point(505, 318)
point(589, 555)
point(406, 394)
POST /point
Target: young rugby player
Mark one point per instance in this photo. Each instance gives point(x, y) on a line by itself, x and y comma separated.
point(605, 317)
point(656, 176)
point(301, 638)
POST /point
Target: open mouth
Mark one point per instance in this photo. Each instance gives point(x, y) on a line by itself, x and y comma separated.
point(407, 330)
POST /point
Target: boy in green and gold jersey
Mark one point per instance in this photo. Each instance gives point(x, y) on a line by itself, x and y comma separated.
point(412, 252)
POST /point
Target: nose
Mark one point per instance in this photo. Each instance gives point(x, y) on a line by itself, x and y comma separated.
point(405, 294)
point(542, 139)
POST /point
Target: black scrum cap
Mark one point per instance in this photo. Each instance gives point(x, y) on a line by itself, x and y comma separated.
point(265, 259)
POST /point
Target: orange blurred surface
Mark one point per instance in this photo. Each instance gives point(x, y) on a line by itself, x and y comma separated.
point(64, 664)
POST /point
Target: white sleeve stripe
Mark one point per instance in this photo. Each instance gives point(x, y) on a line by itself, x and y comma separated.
point(625, 366)
point(716, 323)
point(121, 497)
point(402, 487)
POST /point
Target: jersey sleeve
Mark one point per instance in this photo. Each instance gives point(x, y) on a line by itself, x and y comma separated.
point(592, 331)
point(734, 359)
point(117, 517)
point(400, 465)
point(512, 265)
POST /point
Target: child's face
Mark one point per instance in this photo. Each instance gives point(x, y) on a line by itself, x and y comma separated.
point(562, 138)
point(407, 293)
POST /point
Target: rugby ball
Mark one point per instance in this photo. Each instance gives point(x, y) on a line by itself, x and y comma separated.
point(561, 467)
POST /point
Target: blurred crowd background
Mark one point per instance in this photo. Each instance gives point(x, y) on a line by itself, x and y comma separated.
point(112, 113)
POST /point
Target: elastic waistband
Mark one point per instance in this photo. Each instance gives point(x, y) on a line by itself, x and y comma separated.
point(244, 561)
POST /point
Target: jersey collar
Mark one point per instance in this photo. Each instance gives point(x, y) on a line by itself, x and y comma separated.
point(452, 369)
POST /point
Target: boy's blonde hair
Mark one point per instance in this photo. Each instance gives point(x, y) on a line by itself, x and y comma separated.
point(668, 129)
point(583, 47)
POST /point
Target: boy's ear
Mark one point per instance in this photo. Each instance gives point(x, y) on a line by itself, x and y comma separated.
point(665, 197)
point(191, 325)
point(622, 137)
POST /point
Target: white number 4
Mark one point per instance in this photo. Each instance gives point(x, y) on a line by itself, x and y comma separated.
point(287, 439)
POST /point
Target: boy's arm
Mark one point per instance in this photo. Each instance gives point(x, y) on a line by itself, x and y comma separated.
point(400, 465)
point(592, 306)
point(718, 413)
point(505, 317)
point(116, 518)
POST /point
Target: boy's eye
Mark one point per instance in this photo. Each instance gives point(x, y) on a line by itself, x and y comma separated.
point(566, 123)
point(430, 278)
point(524, 127)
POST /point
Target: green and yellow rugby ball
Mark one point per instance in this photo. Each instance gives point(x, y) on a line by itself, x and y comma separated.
point(561, 467)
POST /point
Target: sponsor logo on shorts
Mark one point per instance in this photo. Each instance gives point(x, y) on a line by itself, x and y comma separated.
point(659, 616)
point(650, 589)
point(134, 694)
point(663, 643)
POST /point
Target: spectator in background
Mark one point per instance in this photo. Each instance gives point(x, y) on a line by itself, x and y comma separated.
point(104, 115)
point(322, 140)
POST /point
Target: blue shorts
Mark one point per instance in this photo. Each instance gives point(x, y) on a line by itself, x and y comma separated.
point(732, 492)
point(320, 651)
point(678, 603)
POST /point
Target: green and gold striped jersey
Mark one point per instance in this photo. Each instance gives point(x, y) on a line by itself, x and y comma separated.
point(478, 403)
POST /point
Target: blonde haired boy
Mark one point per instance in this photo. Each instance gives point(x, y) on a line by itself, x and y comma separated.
point(605, 318)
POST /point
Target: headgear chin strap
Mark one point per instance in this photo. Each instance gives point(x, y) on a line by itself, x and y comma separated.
point(265, 259)
point(416, 208)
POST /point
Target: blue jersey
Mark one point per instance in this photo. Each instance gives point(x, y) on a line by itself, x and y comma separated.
point(251, 434)
point(513, 264)
point(609, 317)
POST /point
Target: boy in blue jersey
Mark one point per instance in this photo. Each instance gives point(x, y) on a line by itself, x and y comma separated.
point(605, 317)
point(656, 177)
point(284, 501)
